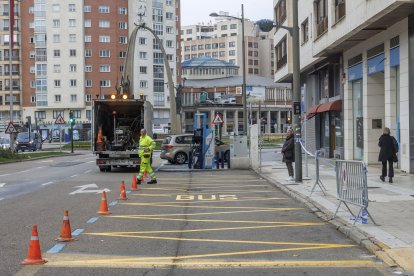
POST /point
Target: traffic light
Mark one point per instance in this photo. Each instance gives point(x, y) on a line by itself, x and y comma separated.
point(289, 120)
point(71, 119)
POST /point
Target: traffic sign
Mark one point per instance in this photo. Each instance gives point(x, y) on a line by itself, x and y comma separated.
point(11, 128)
point(218, 120)
point(59, 120)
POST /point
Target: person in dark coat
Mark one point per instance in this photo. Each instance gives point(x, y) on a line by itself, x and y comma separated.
point(288, 151)
point(388, 154)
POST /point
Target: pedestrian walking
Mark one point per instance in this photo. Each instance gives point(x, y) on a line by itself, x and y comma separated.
point(146, 146)
point(288, 151)
point(388, 154)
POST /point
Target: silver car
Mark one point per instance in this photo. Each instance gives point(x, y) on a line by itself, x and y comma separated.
point(4, 143)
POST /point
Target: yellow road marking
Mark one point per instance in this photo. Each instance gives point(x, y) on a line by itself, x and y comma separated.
point(280, 224)
point(192, 220)
point(201, 207)
point(227, 191)
point(154, 195)
point(199, 202)
point(214, 186)
point(330, 245)
point(220, 213)
point(215, 178)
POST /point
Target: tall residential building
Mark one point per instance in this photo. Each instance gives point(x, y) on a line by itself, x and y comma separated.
point(75, 52)
point(16, 99)
point(223, 41)
point(357, 68)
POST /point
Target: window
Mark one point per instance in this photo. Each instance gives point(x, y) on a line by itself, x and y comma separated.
point(104, 38)
point(233, 26)
point(158, 85)
point(222, 45)
point(143, 84)
point(158, 58)
point(88, 97)
point(169, 30)
point(232, 53)
point(56, 53)
point(158, 71)
point(123, 40)
point(72, 83)
point(169, 15)
point(339, 10)
point(103, 9)
point(88, 53)
point(122, 54)
point(88, 23)
point(58, 98)
point(88, 83)
point(76, 113)
point(104, 53)
point(88, 38)
point(207, 46)
point(142, 41)
point(89, 114)
point(189, 31)
point(72, 68)
point(122, 10)
point(56, 38)
point(223, 27)
point(304, 30)
point(56, 23)
point(72, 8)
point(168, 2)
point(104, 24)
point(281, 53)
point(170, 44)
point(104, 68)
point(72, 37)
point(143, 55)
point(280, 12)
point(72, 52)
point(122, 25)
point(72, 22)
point(143, 69)
point(232, 44)
point(73, 99)
point(56, 8)
point(87, 8)
point(56, 68)
point(321, 7)
point(56, 113)
point(57, 83)
point(39, 114)
point(105, 83)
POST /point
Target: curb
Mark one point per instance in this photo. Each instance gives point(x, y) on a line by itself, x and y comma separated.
point(360, 237)
point(38, 158)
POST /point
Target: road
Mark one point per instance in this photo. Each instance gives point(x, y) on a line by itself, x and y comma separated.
point(190, 223)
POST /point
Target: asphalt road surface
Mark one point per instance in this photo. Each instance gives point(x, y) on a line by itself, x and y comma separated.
point(190, 223)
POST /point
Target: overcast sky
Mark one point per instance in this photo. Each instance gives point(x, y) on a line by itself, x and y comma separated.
point(197, 11)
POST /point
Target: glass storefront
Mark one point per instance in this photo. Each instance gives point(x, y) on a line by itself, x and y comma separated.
point(358, 122)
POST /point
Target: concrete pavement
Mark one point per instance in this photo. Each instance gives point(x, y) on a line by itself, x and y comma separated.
point(390, 205)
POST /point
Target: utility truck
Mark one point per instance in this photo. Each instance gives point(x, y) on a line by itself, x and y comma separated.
point(116, 126)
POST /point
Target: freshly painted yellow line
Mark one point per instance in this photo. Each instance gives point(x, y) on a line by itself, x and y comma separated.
point(220, 213)
point(280, 224)
point(109, 234)
point(212, 178)
point(200, 202)
point(165, 189)
point(201, 207)
point(154, 195)
point(227, 191)
point(215, 186)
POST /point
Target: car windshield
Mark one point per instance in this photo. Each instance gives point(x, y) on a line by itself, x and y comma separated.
point(166, 140)
point(24, 136)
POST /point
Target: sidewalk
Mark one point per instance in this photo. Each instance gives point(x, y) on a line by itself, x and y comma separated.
point(391, 206)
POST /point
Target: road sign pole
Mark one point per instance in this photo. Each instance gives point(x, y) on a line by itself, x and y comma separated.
point(71, 137)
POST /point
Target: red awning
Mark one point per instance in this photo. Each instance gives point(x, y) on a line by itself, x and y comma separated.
point(312, 111)
point(331, 106)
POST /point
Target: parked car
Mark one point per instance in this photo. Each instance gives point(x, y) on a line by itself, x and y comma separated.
point(31, 142)
point(175, 148)
point(4, 143)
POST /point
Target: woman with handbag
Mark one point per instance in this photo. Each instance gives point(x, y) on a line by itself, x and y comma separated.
point(288, 151)
point(388, 154)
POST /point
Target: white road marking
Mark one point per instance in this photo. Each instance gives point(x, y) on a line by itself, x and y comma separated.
point(25, 171)
point(88, 171)
point(47, 183)
point(83, 189)
point(1, 198)
point(75, 175)
point(92, 161)
point(2, 185)
point(46, 161)
point(40, 167)
point(4, 174)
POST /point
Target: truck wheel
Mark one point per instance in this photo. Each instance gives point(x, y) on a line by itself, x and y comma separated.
point(180, 158)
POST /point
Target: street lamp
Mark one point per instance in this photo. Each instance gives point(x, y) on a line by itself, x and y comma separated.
point(214, 14)
point(267, 25)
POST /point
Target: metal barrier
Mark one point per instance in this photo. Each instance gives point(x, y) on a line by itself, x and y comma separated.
point(352, 188)
point(318, 181)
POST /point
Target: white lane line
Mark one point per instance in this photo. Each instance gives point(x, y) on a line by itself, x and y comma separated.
point(4, 174)
point(75, 175)
point(92, 161)
point(25, 171)
point(46, 161)
point(40, 167)
point(47, 183)
point(2, 185)
point(88, 171)
point(1, 198)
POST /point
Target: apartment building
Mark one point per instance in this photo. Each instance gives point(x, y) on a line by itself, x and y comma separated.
point(223, 41)
point(7, 61)
point(357, 71)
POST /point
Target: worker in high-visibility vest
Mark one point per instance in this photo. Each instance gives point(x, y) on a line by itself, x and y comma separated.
point(146, 146)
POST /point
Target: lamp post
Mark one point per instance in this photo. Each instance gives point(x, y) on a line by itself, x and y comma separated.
point(267, 25)
point(214, 14)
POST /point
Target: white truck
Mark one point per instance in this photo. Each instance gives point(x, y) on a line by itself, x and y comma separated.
point(116, 126)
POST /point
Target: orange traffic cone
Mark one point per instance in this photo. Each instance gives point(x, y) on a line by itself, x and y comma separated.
point(134, 186)
point(65, 231)
point(145, 175)
point(34, 256)
point(103, 210)
point(122, 193)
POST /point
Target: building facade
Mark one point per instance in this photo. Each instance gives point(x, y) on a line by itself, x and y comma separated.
point(357, 73)
point(223, 41)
